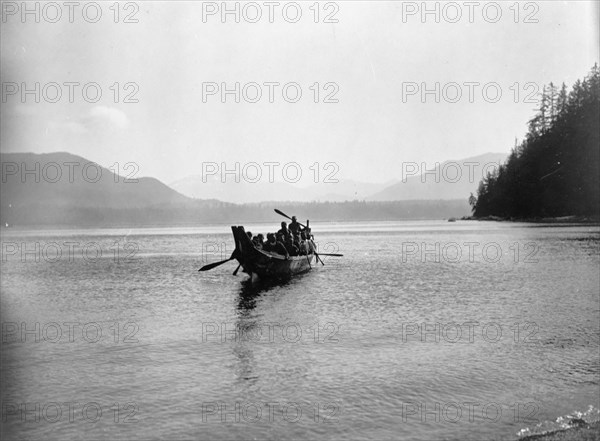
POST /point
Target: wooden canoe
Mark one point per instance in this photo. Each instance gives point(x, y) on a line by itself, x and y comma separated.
point(264, 265)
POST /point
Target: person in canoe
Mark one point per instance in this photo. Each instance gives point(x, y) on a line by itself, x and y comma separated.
point(258, 241)
point(275, 246)
point(300, 243)
point(294, 226)
point(284, 230)
point(291, 248)
point(308, 234)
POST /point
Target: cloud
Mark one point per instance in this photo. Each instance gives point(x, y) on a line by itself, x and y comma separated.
point(107, 116)
point(99, 119)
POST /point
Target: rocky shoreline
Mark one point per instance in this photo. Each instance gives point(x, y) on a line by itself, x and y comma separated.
point(541, 220)
point(583, 432)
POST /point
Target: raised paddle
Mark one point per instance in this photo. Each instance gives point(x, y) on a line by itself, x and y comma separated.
point(316, 255)
point(216, 264)
point(285, 215)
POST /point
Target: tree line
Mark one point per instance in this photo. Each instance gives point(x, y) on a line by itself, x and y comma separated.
point(199, 212)
point(555, 170)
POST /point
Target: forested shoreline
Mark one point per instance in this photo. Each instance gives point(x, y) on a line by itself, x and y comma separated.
point(555, 170)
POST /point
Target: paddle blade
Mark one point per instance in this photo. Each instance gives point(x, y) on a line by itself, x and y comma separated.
point(285, 215)
point(214, 265)
point(282, 213)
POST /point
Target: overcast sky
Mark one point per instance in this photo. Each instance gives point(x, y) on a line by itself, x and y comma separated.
point(371, 55)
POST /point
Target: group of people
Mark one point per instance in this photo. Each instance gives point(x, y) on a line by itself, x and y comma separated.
point(290, 240)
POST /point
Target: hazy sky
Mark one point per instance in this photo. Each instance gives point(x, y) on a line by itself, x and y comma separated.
point(370, 55)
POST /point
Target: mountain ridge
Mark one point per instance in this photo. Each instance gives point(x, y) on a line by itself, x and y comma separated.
point(195, 186)
point(62, 189)
point(441, 181)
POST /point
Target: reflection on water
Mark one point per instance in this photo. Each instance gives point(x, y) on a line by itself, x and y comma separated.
point(246, 325)
point(343, 339)
point(247, 297)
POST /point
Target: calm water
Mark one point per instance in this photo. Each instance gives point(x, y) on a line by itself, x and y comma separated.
point(396, 340)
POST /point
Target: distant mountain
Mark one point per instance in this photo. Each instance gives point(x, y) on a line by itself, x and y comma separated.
point(346, 190)
point(261, 191)
point(451, 180)
point(64, 190)
point(48, 188)
point(235, 192)
point(454, 179)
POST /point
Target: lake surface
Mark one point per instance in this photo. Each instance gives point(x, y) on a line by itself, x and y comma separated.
point(423, 330)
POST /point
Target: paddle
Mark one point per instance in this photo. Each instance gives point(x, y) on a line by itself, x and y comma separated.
point(237, 269)
point(332, 255)
point(285, 215)
point(216, 264)
point(316, 255)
